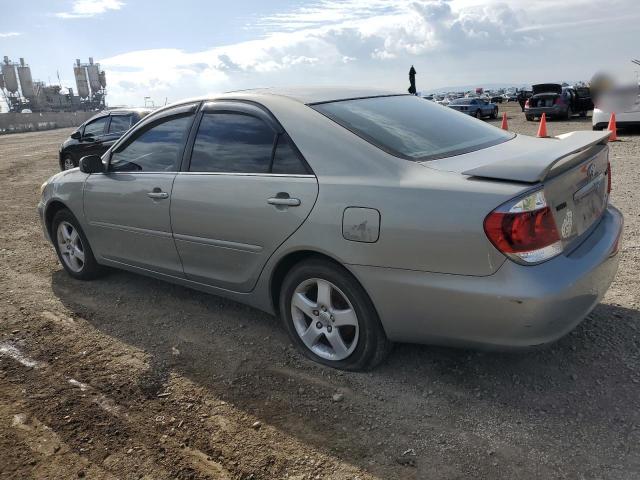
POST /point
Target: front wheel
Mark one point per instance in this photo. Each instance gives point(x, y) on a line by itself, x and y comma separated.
point(72, 247)
point(330, 318)
point(68, 163)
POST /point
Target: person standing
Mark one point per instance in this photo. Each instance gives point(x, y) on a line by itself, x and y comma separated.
point(412, 81)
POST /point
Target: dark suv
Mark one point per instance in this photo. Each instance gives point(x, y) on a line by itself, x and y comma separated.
point(96, 135)
point(557, 101)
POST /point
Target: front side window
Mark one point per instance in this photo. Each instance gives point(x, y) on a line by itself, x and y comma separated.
point(410, 128)
point(95, 128)
point(119, 123)
point(155, 148)
point(232, 142)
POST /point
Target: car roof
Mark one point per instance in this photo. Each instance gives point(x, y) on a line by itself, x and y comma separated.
point(121, 110)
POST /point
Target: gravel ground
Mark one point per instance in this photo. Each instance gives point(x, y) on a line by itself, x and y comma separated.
point(129, 377)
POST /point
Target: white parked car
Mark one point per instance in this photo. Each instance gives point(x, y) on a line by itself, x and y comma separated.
point(628, 118)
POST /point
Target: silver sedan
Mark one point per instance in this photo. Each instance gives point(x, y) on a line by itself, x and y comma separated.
point(360, 217)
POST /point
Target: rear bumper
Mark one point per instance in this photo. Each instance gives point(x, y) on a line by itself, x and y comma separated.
point(554, 111)
point(517, 307)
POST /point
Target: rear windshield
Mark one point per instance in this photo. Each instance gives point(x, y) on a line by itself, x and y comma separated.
point(409, 127)
point(462, 101)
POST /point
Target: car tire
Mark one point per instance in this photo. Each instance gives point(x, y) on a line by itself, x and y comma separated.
point(478, 114)
point(72, 247)
point(68, 163)
point(529, 118)
point(494, 114)
point(359, 343)
point(583, 114)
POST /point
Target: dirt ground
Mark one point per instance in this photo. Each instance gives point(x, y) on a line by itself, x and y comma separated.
point(128, 377)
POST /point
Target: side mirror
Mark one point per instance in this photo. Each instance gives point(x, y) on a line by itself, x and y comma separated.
point(76, 135)
point(91, 164)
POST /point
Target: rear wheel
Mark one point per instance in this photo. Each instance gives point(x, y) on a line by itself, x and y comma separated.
point(529, 118)
point(478, 114)
point(494, 114)
point(72, 247)
point(330, 318)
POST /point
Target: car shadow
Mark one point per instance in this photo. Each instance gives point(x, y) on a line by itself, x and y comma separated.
point(419, 396)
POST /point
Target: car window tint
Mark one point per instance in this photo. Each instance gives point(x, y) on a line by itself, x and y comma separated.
point(230, 142)
point(286, 159)
point(95, 128)
point(411, 128)
point(155, 148)
point(119, 123)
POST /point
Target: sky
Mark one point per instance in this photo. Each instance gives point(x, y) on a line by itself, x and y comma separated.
point(169, 50)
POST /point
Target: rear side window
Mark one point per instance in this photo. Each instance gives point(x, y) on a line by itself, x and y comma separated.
point(232, 142)
point(408, 127)
point(285, 159)
point(154, 148)
point(95, 128)
point(119, 123)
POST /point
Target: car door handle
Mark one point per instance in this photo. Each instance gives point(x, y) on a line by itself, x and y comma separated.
point(284, 201)
point(157, 194)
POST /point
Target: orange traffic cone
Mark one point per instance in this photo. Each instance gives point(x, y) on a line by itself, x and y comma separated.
point(542, 129)
point(613, 136)
point(505, 125)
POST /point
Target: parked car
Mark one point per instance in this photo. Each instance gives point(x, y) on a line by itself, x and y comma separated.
point(476, 107)
point(557, 101)
point(630, 117)
point(496, 99)
point(361, 217)
point(96, 135)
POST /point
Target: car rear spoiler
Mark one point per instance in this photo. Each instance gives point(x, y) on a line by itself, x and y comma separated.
point(539, 155)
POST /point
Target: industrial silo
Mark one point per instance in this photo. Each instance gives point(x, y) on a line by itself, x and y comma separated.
point(93, 72)
point(26, 82)
point(81, 80)
point(9, 74)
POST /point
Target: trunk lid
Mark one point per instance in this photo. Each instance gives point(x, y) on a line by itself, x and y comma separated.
point(546, 88)
point(573, 169)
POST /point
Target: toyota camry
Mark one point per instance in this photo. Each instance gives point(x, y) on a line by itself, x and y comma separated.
point(360, 217)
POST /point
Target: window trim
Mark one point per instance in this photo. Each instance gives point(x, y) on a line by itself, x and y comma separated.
point(251, 110)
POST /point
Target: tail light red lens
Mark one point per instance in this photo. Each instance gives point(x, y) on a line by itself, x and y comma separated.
point(526, 103)
point(524, 230)
point(608, 178)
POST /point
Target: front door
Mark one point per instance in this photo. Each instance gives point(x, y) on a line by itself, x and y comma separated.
point(246, 190)
point(127, 208)
point(93, 137)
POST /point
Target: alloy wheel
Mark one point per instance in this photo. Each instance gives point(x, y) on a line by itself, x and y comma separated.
point(325, 319)
point(68, 164)
point(70, 246)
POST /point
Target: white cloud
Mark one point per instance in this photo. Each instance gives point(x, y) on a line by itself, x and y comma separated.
point(9, 34)
point(373, 42)
point(313, 43)
point(90, 8)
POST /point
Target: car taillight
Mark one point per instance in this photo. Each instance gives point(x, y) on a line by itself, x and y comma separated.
point(524, 229)
point(558, 101)
point(608, 178)
point(526, 103)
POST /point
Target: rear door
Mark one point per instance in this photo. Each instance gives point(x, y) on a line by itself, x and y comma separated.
point(127, 207)
point(244, 189)
point(119, 123)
